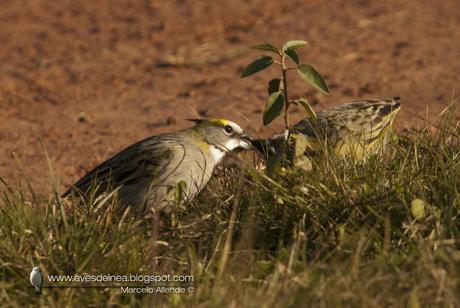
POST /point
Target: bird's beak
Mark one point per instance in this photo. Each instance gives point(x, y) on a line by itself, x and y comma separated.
point(246, 142)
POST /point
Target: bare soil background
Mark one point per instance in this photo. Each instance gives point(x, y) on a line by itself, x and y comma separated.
point(88, 78)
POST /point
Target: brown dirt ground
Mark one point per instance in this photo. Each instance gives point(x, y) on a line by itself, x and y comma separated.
point(88, 78)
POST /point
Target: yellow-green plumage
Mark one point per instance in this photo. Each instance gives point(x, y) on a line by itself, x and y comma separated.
point(358, 129)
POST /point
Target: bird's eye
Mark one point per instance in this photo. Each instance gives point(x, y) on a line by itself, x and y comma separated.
point(228, 129)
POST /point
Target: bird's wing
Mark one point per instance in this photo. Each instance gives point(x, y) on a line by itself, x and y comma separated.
point(142, 159)
point(368, 117)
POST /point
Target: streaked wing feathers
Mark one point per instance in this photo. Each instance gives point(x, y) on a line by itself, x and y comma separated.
point(142, 159)
point(368, 118)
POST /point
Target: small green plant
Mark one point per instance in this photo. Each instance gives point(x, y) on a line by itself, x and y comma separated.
point(278, 98)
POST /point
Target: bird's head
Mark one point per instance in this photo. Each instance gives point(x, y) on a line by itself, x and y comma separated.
point(36, 269)
point(223, 134)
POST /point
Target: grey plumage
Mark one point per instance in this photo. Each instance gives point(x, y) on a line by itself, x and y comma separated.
point(147, 172)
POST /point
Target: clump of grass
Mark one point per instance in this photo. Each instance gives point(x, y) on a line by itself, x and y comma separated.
point(383, 233)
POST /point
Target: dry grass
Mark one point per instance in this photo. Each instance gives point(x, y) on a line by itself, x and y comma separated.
point(340, 235)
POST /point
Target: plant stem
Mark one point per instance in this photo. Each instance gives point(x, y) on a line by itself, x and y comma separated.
point(285, 92)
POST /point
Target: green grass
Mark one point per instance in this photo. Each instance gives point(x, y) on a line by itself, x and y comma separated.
point(342, 234)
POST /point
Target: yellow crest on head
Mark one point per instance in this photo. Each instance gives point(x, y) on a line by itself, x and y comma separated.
point(210, 122)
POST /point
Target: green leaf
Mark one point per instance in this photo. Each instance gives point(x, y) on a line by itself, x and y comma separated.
point(274, 85)
point(294, 44)
point(266, 47)
point(301, 144)
point(273, 107)
point(257, 65)
point(180, 190)
point(300, 160)
point(310, 75)
point(304, 103)
point(417, 208)
point(292, 55)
